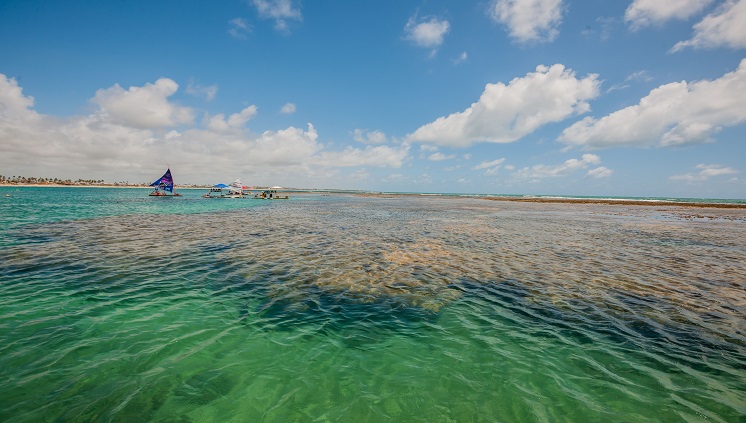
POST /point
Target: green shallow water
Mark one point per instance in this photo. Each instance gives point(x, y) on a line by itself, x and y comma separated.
point(119, 307)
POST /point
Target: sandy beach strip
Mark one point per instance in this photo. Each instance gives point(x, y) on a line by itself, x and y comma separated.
point(619, 202)
point(570, 200)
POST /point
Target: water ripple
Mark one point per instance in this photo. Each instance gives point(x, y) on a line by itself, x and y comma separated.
point(345, 308)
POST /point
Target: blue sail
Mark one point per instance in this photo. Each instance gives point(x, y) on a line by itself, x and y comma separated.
point(166, 182)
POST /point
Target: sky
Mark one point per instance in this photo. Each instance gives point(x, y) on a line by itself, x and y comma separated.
point(639, 98)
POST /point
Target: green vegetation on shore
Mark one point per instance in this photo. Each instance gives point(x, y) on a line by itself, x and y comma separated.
point(33, 180)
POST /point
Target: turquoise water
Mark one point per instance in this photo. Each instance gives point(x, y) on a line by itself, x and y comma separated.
point(119, 307)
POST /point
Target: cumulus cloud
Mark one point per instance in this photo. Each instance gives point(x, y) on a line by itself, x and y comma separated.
point(239, 28)
point(673, 114)
point(281, 11)
point(288, 108)
point(369, 137)
point(706, 172)
point(236, 120)
point(506, 113)
point(287, 146)
point(528, 20)
point(30, 141)
point(427, 32)
point(143, 107)
point(14, 104)
point(116, 143)
point(725, 27)
point(643, 13)
point(380, 156)
point(542, 171)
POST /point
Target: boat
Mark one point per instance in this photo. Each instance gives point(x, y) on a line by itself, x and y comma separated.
point(270, 194)
point(164, 186)
point(234, 190)
point(216, 191)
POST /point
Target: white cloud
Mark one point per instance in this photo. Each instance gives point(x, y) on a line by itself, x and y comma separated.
point(428, 32)
point(288, 108)
point(31, 142)
point(116, 144)
point(437, 157)
point(639, 76)
point(369, 137)
point(726, 27)
point(485, 165)
point(14, 104)
point(492, 167)
point(380, 156)
point(239, 119)
point(707, 172)
point(279, 10)
point(506, 113)
point(287, 146)
point(236, 120)
point(617, 87)
point(528, 20)
point(239, 28)
point(143, 107)
point(673, 114)
point(643, 13)
point(599, 172)
point(542, 171)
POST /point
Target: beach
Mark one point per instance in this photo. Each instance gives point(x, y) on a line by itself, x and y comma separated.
point(349, 307)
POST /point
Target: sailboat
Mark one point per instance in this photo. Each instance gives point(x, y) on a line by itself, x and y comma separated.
point(164, 186)
point(236, 189)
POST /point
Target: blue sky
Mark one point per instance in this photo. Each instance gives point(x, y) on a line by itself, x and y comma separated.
point(622, 98)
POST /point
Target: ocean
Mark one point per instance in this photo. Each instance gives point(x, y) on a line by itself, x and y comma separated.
point(118, 307)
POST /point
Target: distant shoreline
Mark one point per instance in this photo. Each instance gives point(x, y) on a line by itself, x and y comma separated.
point(91, 186)
point(570, 200)
point(70, 186)
point(560, 200)
point(620, 202)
